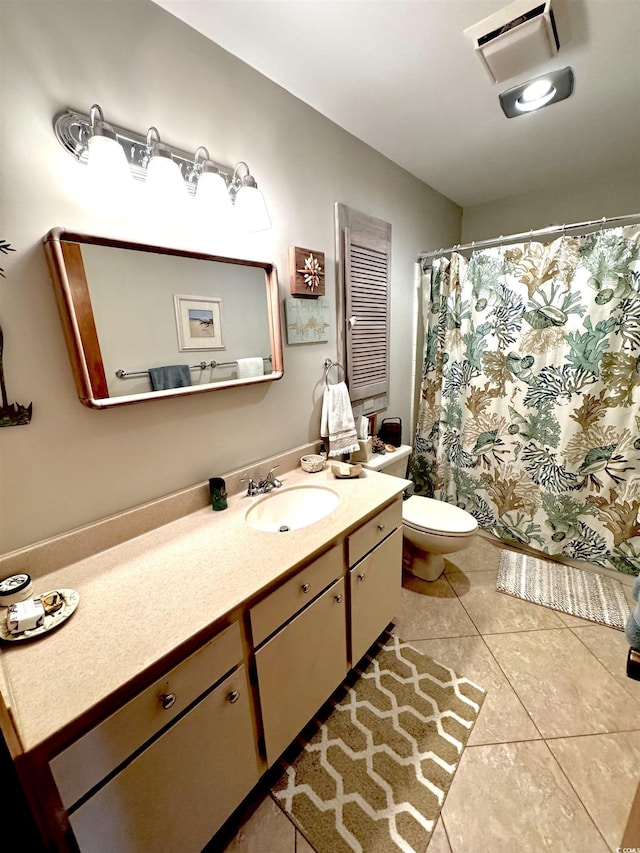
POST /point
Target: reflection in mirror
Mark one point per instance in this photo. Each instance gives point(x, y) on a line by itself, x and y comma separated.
point(143, 322)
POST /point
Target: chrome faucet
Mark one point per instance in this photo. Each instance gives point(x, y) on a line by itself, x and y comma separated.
point(264, 484)
point(270, 481)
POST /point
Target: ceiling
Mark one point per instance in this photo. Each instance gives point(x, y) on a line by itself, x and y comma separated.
point(401, 76)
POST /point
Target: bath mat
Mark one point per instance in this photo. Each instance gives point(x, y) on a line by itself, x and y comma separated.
point(373, 775)
point(577, 592)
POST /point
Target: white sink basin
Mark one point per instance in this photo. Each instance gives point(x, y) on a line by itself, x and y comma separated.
point(290, 509)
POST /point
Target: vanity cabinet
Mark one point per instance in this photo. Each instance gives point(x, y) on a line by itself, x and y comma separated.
point(304, 661)
point(166, 770)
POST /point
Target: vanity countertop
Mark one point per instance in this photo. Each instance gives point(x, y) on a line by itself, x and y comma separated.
point(143, 599)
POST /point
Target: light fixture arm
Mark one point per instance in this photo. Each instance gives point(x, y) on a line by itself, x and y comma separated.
point(237, 182)
point(98, 126)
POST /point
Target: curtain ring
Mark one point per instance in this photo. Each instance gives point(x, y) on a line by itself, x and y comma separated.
point(564, 229)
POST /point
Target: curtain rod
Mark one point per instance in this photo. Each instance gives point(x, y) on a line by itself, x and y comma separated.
point(529, 235)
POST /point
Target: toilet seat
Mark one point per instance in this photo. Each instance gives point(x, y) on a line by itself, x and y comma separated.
point(437, 517)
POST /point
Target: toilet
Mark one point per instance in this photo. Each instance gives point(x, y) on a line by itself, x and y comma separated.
point(430, 528)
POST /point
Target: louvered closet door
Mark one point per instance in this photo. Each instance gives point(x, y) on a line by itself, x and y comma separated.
point(367, 267)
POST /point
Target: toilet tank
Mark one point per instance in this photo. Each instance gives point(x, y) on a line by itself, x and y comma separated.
point(390, 463)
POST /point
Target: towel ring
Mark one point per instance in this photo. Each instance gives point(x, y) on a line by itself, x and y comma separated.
point(328, 364)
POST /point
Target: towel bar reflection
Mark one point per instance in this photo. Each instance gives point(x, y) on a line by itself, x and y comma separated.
point(328, 364)
point(202, 365)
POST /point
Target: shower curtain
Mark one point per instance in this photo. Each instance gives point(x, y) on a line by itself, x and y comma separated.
point(530, 410)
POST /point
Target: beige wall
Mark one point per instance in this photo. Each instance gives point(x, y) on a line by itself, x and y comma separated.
point(72, 465)
point(614, 192)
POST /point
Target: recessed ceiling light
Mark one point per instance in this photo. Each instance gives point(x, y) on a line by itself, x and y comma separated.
point(537, 93)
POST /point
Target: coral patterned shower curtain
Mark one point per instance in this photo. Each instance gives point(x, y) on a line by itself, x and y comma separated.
point(530, 409)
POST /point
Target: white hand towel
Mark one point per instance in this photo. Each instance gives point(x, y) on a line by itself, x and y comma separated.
point(250, 367)
point(337, 422)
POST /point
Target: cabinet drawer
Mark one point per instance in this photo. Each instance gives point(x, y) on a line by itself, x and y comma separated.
point(268, 615)
point(374, 531)
point(177, 793)
point(375, 585)
point(300, 667)
point(88, 760)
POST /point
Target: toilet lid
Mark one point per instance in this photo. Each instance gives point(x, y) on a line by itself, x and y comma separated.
point(437, 516)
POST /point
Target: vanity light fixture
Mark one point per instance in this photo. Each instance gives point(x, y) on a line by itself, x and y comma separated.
point(219, 188)
point(537, 93)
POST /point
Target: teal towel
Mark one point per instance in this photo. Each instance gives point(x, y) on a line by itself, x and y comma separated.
point(632, 629)
point(171, 376)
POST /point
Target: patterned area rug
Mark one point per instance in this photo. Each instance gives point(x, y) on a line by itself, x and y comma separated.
point(373, 776)
point(588, 595)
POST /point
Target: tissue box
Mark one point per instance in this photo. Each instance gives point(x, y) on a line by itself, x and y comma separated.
point(365, 451)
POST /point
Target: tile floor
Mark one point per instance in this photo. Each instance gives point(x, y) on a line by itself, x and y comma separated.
point(553, 760)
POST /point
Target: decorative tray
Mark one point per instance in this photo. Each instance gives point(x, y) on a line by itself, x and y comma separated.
point(71, 600)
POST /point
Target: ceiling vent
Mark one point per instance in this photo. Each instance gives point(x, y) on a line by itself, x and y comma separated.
point(515, 39)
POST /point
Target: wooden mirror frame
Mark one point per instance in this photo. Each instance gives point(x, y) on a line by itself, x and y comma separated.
point(66, 266)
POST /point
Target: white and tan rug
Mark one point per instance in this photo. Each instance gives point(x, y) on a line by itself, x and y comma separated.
point(577, 592)
point(373, 776)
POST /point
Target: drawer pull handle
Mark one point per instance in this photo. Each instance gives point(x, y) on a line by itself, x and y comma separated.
point(381, 527)
point(338, 598)
point(306, 587)
point(362, 577)
point(168, 700)
point(233, 696)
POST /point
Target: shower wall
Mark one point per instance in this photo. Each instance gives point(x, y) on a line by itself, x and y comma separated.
point(614, 192)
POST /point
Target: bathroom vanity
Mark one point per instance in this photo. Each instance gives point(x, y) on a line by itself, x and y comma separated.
point(199, 651)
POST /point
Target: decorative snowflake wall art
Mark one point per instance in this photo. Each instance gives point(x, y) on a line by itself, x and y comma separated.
point(306, 268)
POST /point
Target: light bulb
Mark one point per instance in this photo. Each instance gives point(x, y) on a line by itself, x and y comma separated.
point(535, 95)
point(212, 198)
point(107, 166)
point(250, 209)
point(165, 182)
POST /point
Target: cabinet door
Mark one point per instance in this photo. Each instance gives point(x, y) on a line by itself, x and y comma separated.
point(375, 585)
point(300, 667)
point(177, 793)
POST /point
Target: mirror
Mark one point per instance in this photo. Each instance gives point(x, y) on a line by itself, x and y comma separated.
point(143, 322)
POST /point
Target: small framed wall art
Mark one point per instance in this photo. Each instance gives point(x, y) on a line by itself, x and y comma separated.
point(307, 320)
point(306, 271)
point(199, 322)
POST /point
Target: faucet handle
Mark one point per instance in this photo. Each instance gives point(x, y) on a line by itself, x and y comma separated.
point(252, 489)
point(273, 480)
